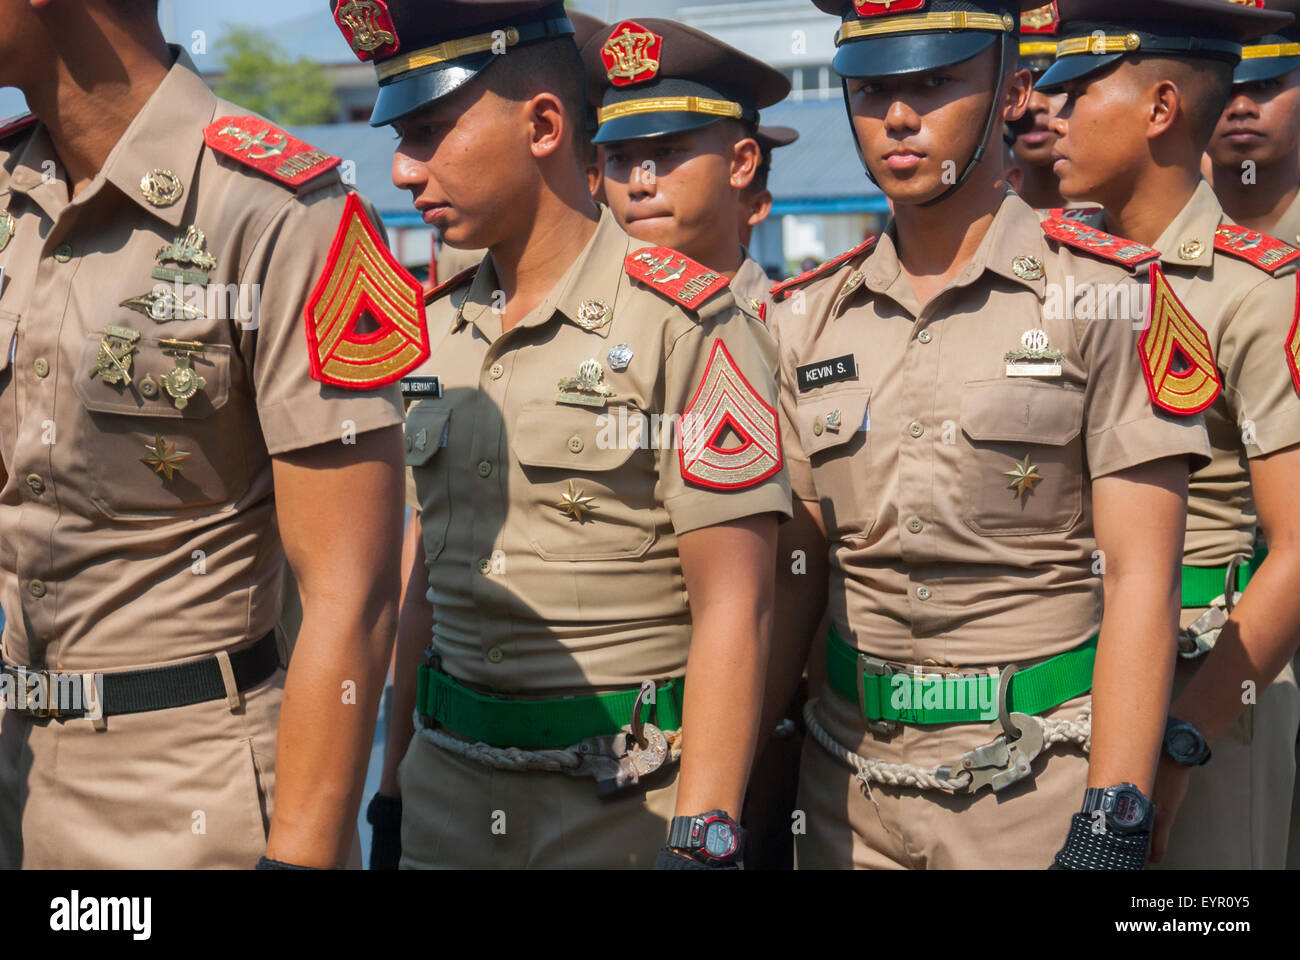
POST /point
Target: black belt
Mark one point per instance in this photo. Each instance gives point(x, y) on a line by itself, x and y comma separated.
point(141, 691)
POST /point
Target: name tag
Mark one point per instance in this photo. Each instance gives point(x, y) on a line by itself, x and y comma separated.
point(822, 372)
point(416, 388)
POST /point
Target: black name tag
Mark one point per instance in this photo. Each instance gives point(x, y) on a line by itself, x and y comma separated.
point(826, 371)
point(416, 388)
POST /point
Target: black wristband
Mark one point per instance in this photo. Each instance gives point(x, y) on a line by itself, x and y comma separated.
point(1088, 849)
point(265, 863)
point(672, 860)
point(384, 814)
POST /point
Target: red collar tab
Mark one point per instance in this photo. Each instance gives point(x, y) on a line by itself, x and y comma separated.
point(444, 288)
point(17, 124)
point(675, 275)
point(1044, 19)
point(361, 275)
point(880, 8)
point(631, 54)
point(784, 286)
point(257, 143)
point(1175, 335)
point(369, 29)
point(1267, 253)
point(1107, 246)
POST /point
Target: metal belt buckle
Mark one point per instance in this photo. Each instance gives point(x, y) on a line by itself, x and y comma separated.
point(1199, 638)
point(44, 692)
point(871, 667)
point(1008, 758)
point(620, 760)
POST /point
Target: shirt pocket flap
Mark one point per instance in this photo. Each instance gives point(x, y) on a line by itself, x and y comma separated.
point(426, 426)
point(1003, 411)
point(149, 360)
point(829, 420)
point(8, 330)
point(565, 438)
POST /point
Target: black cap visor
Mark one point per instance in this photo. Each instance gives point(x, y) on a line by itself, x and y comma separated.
point(642, 126)
point(1074, 67)
point(413, 91)
point(895, 55)
point(1264, 68)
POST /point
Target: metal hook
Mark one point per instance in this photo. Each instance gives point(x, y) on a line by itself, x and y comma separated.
point(1004, 715)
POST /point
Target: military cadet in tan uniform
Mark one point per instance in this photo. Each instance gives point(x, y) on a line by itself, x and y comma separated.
point(576, 552)
point(756, 199)
point(162, 435)
point(971, 448)
point(1233, 294)
point(1033, 136)
point(673, 177)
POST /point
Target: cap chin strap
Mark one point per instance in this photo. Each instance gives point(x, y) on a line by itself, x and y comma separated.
point(994, 111)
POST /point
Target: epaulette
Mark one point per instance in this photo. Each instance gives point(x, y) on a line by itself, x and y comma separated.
point(1267, 253)
point(780, 289)
point(266, 148)
point(675, 275)
point(1107, 246)
point(447, 286)
point(17, 124)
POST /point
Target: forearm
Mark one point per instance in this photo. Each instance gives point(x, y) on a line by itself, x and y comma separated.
point(720, 716)
point(1253, 647)
point(414, 631)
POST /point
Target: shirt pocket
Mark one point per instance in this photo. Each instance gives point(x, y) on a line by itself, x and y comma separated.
point(1022, 430)
point(831, 431)
point(205, 442)
point(427, 426)
point(569, 455)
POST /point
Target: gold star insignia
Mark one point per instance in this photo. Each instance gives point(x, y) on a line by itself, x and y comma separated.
point(163, 457)
point(575, 504)
point(1024, 477)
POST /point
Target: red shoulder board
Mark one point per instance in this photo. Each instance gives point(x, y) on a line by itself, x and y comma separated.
point(451, 283)
point(1267, 253)
point(784, 286)
point(1174, 334)
point(675, 275)
point(1107, 246)
point(726, 402)
point(257, 143)
point(1293, 341)
point(363, 277)
point(17, 124)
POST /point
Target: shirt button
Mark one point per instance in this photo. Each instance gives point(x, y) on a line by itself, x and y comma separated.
point(485, 469)
point(575, 444)
point(42, 367)
point(410, 444)
point(923, 593)
point(915, 525)
point(915, 428)
point(63, 252)
point(36, 588)
point(495, 655)
point(925, 336)
point(36, 483)
point(495, 371)
point(485, 566)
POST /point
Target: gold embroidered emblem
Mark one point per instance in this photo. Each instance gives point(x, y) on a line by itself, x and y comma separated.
point(189, 250)
point(575, 504)
point(593, 314)
point(161, 305)
point(628, 55)
point(164, 459)
point(360, 17)
point(1036, 358)
point(161, 188)
point(1027, 268)
point(181, 382)
point(1024, 477)
point(587, 389)
point(113, 362)
point(247, 141)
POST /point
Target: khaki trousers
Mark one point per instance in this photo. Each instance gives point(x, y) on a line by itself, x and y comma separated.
point(888, 827)
point(458, 813)
point(184, 788)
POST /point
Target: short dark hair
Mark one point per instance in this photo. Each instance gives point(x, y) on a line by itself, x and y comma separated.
point(552, 66)
point(1205, 85)
point(135, 9)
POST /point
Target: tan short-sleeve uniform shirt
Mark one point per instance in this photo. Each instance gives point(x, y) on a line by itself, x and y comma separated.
point(549, 525)
point(752, 288)
point(903, 424)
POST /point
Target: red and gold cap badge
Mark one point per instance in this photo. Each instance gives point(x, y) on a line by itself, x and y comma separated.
point(631, 54)
point(1044, 19)
point(368, 27)
point(879, 8)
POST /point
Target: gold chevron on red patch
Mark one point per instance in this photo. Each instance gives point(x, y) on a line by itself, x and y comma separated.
point(1107, 246)
point(1174, 335)
point(675, 275)
point(362, 277)
point(785, 286)
point(1267, 253)
point(878, 8)
point(725, 404)
point(259, 144)
point(1293, 341)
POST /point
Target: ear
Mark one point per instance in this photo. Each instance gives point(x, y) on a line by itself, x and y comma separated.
point(1015, 96)
point(745, 158)
point(760, 205)
point(548, 127)
point(1165, 107)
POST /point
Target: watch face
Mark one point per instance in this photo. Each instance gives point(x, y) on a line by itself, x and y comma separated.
point(719, 839)
point(1182, 743)
point(1129, 809)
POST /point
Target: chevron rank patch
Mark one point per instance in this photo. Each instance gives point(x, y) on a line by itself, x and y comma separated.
point(675, 275)
point(257, 143)
point(785, 286)
point(16, 124)
point(1293, 341)
point(363, 279)
point(1267, 253)
point(726, 409)
point(1173, 339)
point(1107, 246)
